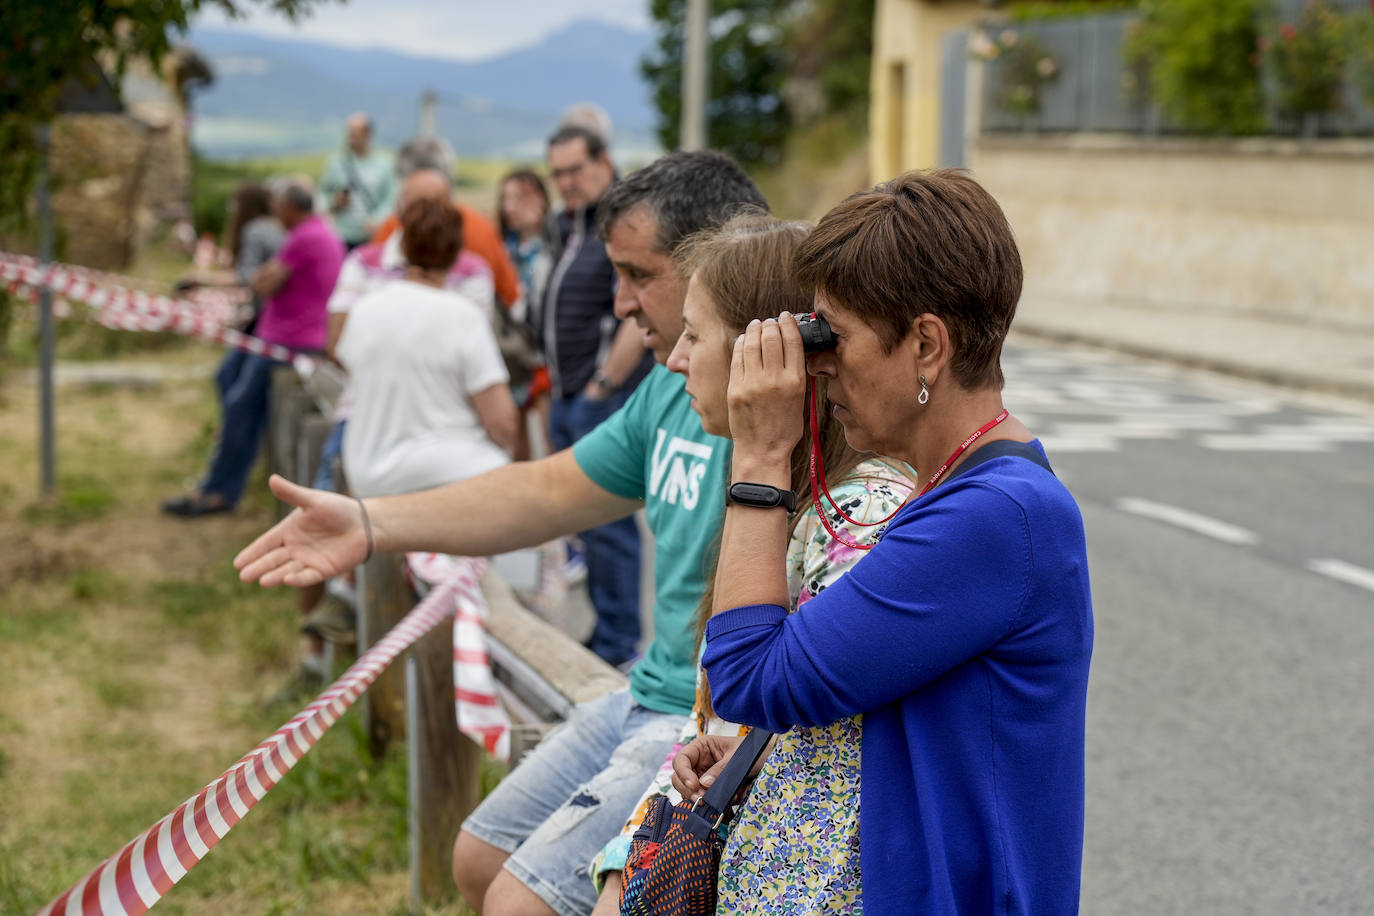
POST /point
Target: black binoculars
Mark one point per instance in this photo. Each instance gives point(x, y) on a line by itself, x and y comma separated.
point(815, 333)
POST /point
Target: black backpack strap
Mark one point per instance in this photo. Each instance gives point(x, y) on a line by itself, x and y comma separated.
point(732, 778)
point(1002, 448)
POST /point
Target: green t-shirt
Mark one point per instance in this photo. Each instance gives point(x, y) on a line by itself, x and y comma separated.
point(372, 190)
point(654, 449)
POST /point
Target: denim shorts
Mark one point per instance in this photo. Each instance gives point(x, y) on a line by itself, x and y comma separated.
point(572, 794)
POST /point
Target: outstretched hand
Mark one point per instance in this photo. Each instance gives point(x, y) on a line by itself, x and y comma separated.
point(321, 538)
point(767, 388)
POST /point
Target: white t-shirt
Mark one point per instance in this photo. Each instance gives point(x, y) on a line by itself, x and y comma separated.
point(415, 356)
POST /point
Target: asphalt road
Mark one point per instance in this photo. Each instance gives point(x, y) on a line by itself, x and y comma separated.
point(1231, 707)
point(1230, 724)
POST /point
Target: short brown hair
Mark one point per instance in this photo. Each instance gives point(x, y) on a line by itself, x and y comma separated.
point(431, 234)
point(925, 242)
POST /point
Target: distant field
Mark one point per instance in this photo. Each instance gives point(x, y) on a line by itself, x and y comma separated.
point(215, 181)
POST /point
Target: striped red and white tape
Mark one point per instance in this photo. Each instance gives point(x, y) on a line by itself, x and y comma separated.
point(121, 308)
point(480, 714)
point(139, 875)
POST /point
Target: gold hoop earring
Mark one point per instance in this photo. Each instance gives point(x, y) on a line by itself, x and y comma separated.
point(924, 396)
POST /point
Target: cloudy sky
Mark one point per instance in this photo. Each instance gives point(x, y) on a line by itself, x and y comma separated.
point(463, 29)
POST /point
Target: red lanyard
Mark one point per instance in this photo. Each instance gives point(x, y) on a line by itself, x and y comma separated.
point(935, 478)
point(818, 485)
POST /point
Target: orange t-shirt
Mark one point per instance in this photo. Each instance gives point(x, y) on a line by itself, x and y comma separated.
point(481, 238)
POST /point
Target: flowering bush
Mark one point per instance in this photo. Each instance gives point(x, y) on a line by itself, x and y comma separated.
point(1308, 58)
point(1024, 65)
point(1194, 58)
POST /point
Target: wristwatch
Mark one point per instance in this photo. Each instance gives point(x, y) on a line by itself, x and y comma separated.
point(761, 496)
point(604, 383)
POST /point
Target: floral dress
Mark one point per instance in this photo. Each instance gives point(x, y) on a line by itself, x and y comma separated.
point(794, 845)
point(802, 814)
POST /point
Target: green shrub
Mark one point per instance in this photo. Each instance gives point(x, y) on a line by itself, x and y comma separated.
point(1309, 59)
point(1362, 52)
point(1198, 59)
point(1040, 10)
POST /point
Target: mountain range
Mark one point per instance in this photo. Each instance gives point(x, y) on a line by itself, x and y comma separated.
point(276, 95)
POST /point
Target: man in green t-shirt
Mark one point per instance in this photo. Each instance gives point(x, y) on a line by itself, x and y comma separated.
point(527, 847)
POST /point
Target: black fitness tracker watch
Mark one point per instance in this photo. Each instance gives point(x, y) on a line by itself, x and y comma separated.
point(761, 496)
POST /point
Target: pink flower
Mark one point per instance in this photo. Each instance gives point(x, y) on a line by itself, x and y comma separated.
point(1008, 38)
point(1264, 44)
point(1288, 31)
point(837, 553)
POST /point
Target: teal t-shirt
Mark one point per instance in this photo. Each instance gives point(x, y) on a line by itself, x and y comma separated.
point(372, 190)
point(654, 449)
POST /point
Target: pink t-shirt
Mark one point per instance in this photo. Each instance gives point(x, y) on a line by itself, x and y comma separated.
point(296, 316)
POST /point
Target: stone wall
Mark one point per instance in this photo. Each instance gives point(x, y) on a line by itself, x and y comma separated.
point(121, 180)
point(1271, 227)
point(97, 165)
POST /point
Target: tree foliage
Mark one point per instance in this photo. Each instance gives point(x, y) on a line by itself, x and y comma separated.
point(46, 43)
point(774, 63)
point(833, 44)
point(746, 113)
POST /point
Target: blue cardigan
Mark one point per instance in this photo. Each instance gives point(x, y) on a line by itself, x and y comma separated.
point(964, 638)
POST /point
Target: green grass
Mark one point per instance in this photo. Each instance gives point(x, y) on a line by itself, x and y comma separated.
point(79, 498)
point(133, 666)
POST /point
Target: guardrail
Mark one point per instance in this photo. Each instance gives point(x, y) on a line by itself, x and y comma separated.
point(541, 672)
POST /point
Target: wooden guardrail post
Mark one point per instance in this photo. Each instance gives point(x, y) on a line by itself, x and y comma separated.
point(445, 766)
point(384, 597)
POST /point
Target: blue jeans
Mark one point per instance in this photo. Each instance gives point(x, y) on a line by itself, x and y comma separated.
point(244, 381)
point(333, 448)
point(572, 793)
point(612, 550)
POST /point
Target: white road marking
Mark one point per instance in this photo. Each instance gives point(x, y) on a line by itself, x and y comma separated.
point(1325, 429)
point(1345, 572)
point(1265, 443)
point(1126, 428)
point(1192, 521)
point(1056, 444)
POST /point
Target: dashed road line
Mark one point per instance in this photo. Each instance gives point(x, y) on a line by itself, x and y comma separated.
point(1264, 443)
point(1345, 572)
point(1192, 521)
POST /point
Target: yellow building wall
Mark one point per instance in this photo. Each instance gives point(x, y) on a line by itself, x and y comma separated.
point(904, 115)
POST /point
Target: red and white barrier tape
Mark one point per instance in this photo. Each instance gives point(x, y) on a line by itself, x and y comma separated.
point(480, 714)
point(126, 309)
point(139, 875)
point(218, 305)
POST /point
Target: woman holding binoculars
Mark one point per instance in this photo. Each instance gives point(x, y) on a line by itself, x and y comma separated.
point(963, 639)
point(803, 811)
